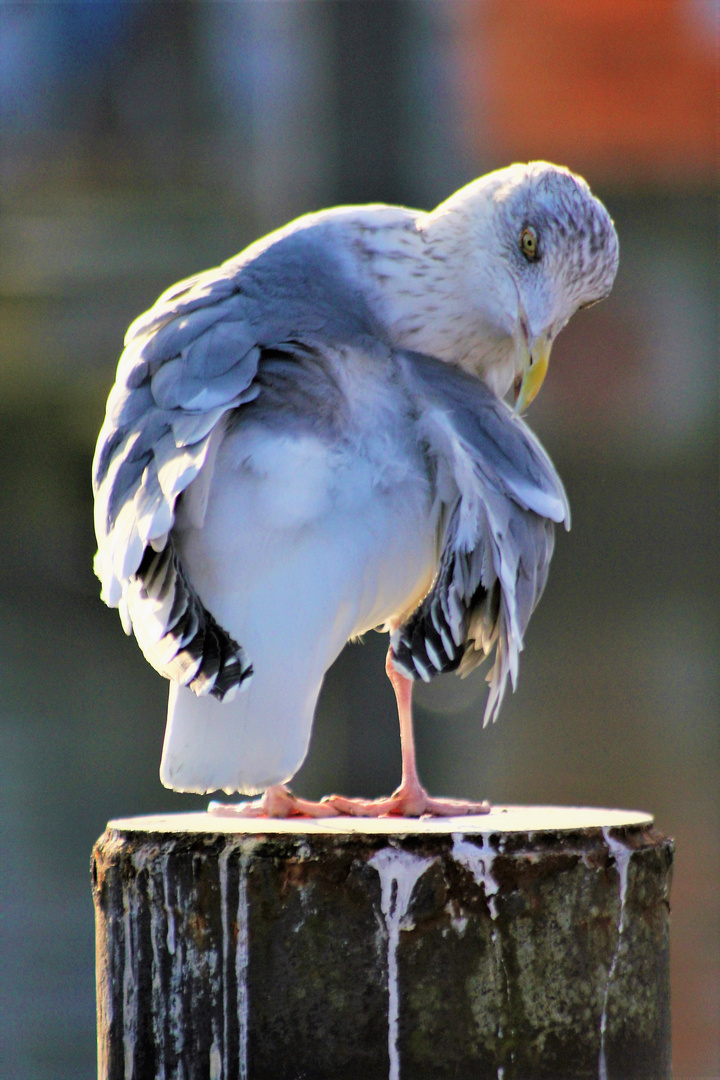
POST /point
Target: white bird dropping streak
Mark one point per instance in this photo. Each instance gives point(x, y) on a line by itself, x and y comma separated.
point(399, 872)
point(216, 1065)
point(175, 950)
point(480, 866)
point(129, 995)
point(241, 961)
point(157, 928)
point(223, 876)
point(241, 968)
point(169, 905)
point(622, 857)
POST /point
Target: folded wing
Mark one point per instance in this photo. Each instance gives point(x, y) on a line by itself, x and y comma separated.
point(502, 498)
point(187, 362)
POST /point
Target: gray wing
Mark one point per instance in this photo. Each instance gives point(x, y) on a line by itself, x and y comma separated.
point(502, 496)
point(188, 363)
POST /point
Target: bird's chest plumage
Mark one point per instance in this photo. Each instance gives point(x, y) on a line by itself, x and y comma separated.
point(329, 526)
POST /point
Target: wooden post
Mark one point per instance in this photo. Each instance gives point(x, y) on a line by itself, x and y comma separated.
point(529, 943)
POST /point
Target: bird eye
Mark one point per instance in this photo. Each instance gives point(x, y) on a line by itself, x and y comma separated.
point(529, 243)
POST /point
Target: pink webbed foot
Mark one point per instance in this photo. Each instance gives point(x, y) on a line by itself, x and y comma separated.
point(276, 802)
point(409, 800)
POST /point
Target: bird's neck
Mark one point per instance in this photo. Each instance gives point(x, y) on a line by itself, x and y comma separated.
point(416, 282)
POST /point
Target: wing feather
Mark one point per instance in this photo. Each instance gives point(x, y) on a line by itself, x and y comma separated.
point(188, 361)
point(502, 498)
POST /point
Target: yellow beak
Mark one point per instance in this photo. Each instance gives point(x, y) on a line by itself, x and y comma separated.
point(535, 365)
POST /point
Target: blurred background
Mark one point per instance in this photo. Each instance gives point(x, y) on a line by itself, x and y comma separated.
point(142, 142)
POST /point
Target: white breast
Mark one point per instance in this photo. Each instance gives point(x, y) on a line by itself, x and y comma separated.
point(316, 525)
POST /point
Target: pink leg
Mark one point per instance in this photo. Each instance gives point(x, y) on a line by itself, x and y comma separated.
point(410, 799)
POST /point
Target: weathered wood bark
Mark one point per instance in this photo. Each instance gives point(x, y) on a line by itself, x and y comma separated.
point(529, 943)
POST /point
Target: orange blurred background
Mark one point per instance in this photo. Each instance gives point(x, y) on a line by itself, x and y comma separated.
point(624, 90)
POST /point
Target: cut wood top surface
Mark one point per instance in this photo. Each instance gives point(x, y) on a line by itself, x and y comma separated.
point(501, 819)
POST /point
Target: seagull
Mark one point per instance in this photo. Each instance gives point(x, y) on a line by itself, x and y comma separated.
point(312, 441)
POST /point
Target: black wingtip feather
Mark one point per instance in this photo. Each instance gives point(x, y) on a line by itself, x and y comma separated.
point(424, 646)
point(193, 638)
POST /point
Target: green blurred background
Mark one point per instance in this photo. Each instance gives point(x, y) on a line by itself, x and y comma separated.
point(141, 142)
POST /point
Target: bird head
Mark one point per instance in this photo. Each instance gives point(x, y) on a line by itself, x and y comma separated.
point(535, 245)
